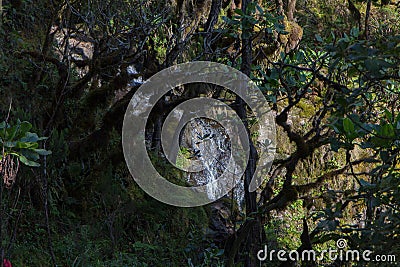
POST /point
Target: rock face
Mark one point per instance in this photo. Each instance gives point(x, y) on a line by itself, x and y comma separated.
point(77, 45)
point(207, 141)
point(221, 225)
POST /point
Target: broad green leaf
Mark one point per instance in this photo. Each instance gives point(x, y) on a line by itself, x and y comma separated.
point(24, 128)
point(11, 132)
point(387, 131)
point(348, 125)
point(26, 145)
point(30, 137)
point(30, 154)
point(9, 144)
point(27, 162)
point(43, 152)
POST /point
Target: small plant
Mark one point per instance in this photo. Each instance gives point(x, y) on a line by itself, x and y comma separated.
point(18, 145)
point(19, 142)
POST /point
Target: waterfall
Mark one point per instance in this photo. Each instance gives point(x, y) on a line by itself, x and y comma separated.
point(202, 140)
point(207, 141)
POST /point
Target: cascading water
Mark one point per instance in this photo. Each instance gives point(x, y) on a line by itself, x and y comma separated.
point(206, 141)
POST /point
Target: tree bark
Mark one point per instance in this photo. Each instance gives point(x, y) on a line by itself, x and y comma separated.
point(290, 9)
point(367, 16)
point(211, 21)
point(253, 241)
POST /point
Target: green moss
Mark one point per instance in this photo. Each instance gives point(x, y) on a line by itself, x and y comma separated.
point(307, 108)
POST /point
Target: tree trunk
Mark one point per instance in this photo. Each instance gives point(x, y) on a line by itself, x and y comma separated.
point(367, 16)
point(290, 9)
point(253, 242)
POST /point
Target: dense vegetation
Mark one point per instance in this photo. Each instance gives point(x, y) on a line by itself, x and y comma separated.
point(329, 69)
